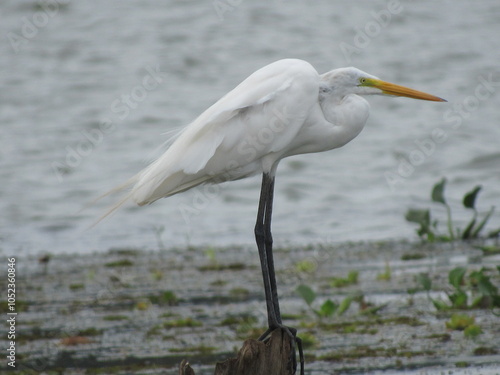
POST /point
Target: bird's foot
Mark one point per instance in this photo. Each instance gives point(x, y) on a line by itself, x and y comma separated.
point(296, 342)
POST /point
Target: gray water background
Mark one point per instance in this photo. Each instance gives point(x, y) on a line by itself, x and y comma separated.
point(65, 67)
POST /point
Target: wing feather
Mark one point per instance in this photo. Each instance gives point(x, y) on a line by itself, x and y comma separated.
point(215, 140)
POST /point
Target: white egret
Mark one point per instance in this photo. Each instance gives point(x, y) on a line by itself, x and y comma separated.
point(286, 108)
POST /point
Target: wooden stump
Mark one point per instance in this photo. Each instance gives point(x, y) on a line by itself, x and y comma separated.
point(272, 357)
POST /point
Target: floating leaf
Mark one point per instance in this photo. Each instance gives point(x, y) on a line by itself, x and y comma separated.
point(422, 217)
point(460, 322)
point(437, 194)
point(483, 283)
point(344, 305)
point(458, 299)
point(305, 266)
point(327, 308)
point(472, 331)
point(339, 282)
point(439, 305)
point(469, 200)
point(373, 309)
point(306, 293)
point(456, 277)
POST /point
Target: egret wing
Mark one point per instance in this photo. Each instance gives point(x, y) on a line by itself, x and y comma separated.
point(260, 116)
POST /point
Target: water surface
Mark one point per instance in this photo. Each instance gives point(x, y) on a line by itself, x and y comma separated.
point(69, 133)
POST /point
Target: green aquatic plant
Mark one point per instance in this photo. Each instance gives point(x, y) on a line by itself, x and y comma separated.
point(460, 322)
point(386, 275)
point(182, 322)
point(328, 308)
point(428, 227)
point(466, 323)
point(351, 279)
point(166, 297)
point(472, 291)
point(305, 266)
point(120, 263)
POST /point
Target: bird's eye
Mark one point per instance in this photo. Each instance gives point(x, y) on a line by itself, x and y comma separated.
point(362, 81)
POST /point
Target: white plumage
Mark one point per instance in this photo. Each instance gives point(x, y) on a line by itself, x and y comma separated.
point(285, 108)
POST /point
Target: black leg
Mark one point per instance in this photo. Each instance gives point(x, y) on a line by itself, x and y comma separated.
point(264, 241)
point(269, 250)
point(262, 233)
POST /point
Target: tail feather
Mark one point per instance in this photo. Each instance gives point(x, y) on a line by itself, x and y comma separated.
point(178, 182)
point(121, 202)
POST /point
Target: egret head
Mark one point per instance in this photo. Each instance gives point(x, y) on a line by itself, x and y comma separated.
point(345, 81)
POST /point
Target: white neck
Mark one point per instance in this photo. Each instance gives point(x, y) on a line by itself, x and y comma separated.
point(347, 116)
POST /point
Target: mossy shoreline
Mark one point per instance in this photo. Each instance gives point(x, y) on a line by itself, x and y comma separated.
point(131, 311)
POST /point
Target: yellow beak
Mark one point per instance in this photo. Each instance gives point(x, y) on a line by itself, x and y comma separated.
point(397, 90)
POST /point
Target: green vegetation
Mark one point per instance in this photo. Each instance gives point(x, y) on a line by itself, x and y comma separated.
point(20, 306)
point(239, 293)
point(113, 318)
point(156, 275)
point(351, 279)
point(363, 351)
point(472, 331)
point(219, 282)
point(241, 319)
point(309, 341)
point(489, 249)
point(305, 266)
point(328, 308)
point(214, 265)
point(485, 350)
point(474, 291)
point(386, 275)
point(76, 286)
point(210, 253)
point(365, 326)
point(222, 267)
point(124, 251)
point(471, 290)
point(186, 322)
point(428, 227)
point(89, 332)
point(412, 256)
point(466, 323)
point(142, 305)
point(120, 263)
point(202, 349)
point(165, 298)
point(459, 322)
